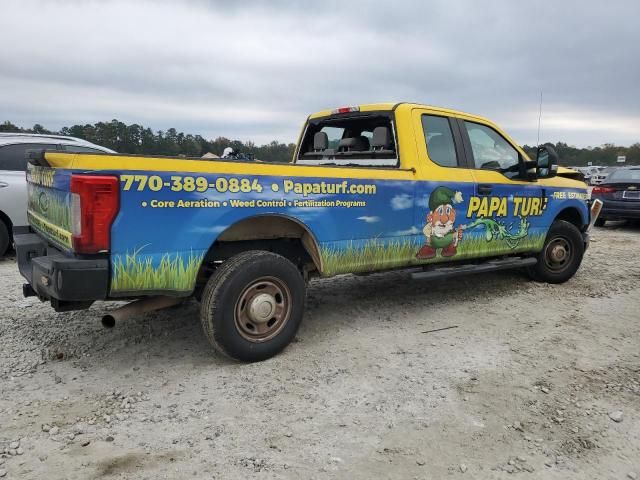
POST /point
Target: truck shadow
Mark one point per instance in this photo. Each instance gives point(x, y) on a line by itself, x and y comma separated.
point(397, 291)
point(621, 226)
point(174, 336)
point(9, 257)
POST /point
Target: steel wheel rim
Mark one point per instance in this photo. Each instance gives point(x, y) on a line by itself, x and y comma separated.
point(558, 253)
point(263, 309)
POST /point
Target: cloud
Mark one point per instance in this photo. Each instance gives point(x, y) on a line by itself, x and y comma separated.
point(368, 219)
point(402, 233)
point(423, 201)
point(401, 202)
point(255, 70)
point(214, 229)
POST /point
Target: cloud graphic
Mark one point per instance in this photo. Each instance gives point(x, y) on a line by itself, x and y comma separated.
point(368, 219)
point(401, 202)
point(402, 233)
point(214, 229)
point(423, 202)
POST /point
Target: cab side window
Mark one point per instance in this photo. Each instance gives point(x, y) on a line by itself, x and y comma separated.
point(439, 137)
point(490, 150)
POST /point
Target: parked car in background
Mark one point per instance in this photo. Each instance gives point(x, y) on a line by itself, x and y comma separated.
point(620, 194)
point(13, 186)
point(601, 175)
point(586, 172)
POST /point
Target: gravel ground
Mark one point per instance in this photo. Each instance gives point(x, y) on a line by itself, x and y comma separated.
point(537, 380)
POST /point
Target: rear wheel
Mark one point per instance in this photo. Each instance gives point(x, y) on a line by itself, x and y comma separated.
point(600, 222)
point(5, 238)
point(561, 255)
point(252, 305)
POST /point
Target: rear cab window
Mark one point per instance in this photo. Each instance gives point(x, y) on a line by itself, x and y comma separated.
point(363, 139)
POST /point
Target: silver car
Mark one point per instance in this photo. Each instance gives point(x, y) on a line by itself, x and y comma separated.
point(13, 186)
point(601, 175)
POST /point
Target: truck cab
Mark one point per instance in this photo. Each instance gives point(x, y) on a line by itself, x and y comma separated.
point(370, 188)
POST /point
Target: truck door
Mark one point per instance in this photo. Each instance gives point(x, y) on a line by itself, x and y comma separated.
point(507, 213)
point(442, 194)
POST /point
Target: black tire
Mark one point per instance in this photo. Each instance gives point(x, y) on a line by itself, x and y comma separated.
point(554, 266)
point(600, 222)
point(240, 298)
point(5, 238)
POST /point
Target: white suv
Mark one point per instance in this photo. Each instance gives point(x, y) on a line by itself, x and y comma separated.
point(601, 175)
point(13, 186)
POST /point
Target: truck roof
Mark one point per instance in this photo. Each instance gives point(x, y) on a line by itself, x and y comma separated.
point(377, 107)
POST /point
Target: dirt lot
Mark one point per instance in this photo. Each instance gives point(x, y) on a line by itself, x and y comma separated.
point(531, 383)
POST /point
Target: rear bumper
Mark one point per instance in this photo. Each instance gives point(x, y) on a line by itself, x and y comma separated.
point(612, 209)
point(69, 283)
point(619, 214)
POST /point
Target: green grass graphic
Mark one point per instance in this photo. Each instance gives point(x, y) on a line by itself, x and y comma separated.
point(477, 246)
point(376, 254)
point(57, 211)
point(136, 272)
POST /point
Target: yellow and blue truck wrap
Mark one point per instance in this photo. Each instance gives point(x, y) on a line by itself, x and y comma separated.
point(351, 216)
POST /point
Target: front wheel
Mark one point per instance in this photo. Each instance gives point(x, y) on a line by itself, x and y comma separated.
point(252, 305)
point(561, 255)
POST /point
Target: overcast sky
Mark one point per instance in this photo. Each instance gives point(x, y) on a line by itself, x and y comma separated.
point(255, 70)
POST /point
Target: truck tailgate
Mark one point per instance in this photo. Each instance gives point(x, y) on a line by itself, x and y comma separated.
point(49, 204)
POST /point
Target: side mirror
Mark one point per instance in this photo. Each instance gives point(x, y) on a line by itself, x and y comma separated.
point(546, 162)
point(530, 170)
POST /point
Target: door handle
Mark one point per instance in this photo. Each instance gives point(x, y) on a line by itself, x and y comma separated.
point(484, 189)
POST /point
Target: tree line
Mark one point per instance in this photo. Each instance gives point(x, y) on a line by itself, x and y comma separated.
point(606, 154)
point(137, 139)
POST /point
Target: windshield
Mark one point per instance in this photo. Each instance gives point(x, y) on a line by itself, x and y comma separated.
point(632, 174)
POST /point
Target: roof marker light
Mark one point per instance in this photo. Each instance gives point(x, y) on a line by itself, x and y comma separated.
point(354, 108)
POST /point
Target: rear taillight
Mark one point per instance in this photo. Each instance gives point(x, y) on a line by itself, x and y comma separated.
point(94, 205)
point(602, 190)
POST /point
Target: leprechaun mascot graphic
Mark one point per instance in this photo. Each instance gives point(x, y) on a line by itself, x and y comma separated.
point(440, 233)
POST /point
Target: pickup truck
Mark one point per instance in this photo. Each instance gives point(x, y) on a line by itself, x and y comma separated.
point(370, 188)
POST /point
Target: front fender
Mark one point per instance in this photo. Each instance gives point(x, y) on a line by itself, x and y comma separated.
point(572, 210)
